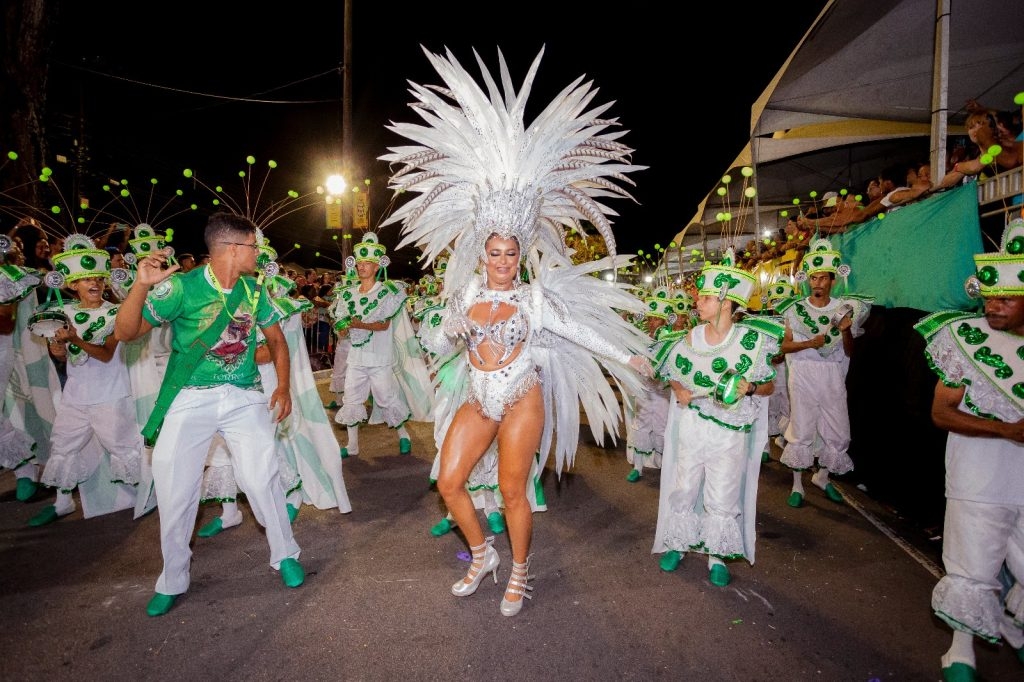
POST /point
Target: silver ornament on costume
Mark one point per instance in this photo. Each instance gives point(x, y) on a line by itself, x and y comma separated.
point(384, 261)
point(5, 243)
point(972, 286)
point(843, 270)
point(271, 269)
point(130, 258)
point(54, 279)
point(800, 276)
point(350, 262)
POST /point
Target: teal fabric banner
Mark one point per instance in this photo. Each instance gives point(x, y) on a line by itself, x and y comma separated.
point(917, 256)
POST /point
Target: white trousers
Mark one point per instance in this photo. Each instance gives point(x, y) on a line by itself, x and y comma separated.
point(241, 417)
point(388, 399)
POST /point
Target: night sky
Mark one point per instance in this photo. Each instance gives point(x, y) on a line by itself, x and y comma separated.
point(154, 88)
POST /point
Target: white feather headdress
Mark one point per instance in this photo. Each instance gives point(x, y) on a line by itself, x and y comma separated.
point(480, 170)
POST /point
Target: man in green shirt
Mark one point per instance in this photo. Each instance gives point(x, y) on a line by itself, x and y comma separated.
point(220, 391)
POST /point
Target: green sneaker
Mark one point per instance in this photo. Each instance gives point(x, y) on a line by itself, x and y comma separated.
point(765, 457)
point(719, 575)
point(959, 672)
point(45, 517)
point(633, 476)
point(496, 522)
point(795, 500)
point(292, 574)
point(833, 494)
point(670, 560)
point(442, 527)
point(25, 490)
point(404, 446)
point(210, 529)
point(160, 604)
point(333, 405)
point(344, 453)
point(293, 511)
point(539, 490)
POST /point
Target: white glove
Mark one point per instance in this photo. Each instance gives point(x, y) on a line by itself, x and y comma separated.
point(642, 365)
point(455, 324)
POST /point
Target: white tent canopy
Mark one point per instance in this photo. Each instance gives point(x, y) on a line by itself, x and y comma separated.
point(866, 86)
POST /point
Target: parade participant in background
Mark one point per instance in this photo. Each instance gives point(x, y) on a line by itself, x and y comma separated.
point(820, 330)
point(379, 362)
point(978, 400)
point(17, 448)
point(96, 415)
point(778, 402)
point(212, 385)
point(342, 343)
point(492, 190)
point(716, 429)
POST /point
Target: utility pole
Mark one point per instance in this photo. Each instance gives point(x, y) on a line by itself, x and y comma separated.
point(346, 132)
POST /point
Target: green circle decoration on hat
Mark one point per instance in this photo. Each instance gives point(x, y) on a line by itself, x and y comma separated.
point(725, 281)
point(821, 257)
point(369, 249)
point(81, 259)
point(1001, 273)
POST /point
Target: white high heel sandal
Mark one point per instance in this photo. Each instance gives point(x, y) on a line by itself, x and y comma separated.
point(517, 584)
point(485, 560)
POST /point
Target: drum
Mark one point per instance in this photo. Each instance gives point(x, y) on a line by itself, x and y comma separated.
point(46, 322)
point(726, 391)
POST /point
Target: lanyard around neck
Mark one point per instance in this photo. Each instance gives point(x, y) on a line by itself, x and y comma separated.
point(249, 296)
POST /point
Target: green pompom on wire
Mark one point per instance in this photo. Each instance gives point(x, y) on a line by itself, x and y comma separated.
point(746, 171)
point(749, 192)
point(1019, 99)
point(843, 192)
point(726, 179)
point(250, 159)
point(272, 163)
point(55, 210)
point(297, 245)
point(47, 171)
point(721, 191)
point(152, 181)
point(796, 201)
point(13, 156)
point(671, 245)
point(179, 192)
point(124, 192)
point(187, 172)
point(995, 150)
point(784, 213)
point(639, 252)
point(241, 174)
point(293, 194)
point(985, 159)
point(316, 253)
point(334, 237)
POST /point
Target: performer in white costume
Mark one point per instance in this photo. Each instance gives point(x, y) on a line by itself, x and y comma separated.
point(500, 195)
point(979, 399)
point(384, 360)
point(716, 427)
point(820, 330)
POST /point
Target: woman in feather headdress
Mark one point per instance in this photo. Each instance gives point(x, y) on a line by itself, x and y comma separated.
point(501, 196)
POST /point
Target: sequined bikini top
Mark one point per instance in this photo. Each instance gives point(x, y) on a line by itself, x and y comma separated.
point(505, 334)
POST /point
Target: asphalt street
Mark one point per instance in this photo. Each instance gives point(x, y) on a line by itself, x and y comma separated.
point(838, 591)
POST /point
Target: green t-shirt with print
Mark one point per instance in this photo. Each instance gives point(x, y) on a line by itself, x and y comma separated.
point(190, 303)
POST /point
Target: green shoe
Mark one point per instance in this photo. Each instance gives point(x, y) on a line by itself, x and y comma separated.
point(765, 457)
point(833, 494)
point(210, 529)
point(496, 522)
point(45, 517)
point(442, 527)
point(958, 672)
point(404, 446)
point(719, 575)
point(633, 476)
point(292, 574)
point(26, 489)
point(160, 604)
point(795, 500)
point(344, 453)
point(670, 561)
point(333, 405)
point(293, 511)
point(539, 490)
